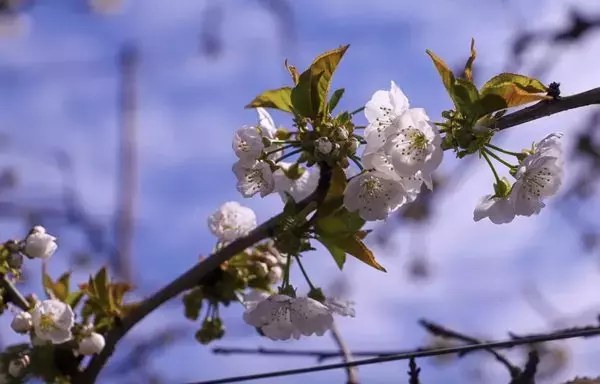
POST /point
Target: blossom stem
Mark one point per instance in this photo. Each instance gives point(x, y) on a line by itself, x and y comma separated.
point(297, 151)
point(310, 284)
point(356, 161)
point(487, 158)
point(285, 141)
point(286, 273)
point(516, 154)
point(357, 111)
point(501, 160)
point(360, 126)
point(279, 149)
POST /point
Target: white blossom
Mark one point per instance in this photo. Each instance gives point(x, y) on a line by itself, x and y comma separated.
point(538, 177)
point(266, 123)
point(340, 307)
point(22, 322)
point(251, 299)
point(550, 145)
point(247, 144)
point(414, 144)
point(499, 210)
point(40, 244)
point(254, 178)
point(298, 189)
point(231, 221)
point(374, 195)
point(382, 110)
point(53, 320)
point(91, 344)
point(281, 317)
point(323, 146)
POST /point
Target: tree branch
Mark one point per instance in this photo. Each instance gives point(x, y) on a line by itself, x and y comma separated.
point(547, 108)
point(510, 343)
point(192, 278)
point(12, 294)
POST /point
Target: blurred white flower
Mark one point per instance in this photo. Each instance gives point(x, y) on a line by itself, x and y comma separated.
point(499, 210)
point(40, 244)
point(231, 221)
point(22, 322)
point(91, 344)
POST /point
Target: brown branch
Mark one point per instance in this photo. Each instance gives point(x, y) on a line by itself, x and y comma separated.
point(12, 294)
point(191, 278)
point(351, 372)
point(548, 108)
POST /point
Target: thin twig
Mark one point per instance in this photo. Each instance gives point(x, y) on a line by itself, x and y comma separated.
point(444, 332)
point(510, 343)
point(351, 372)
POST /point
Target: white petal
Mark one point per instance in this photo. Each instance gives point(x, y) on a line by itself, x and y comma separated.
point(499, 211)
point(266, 123)
point(310, 316)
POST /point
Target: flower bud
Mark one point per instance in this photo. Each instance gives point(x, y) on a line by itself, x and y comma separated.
point(92, 344)
point(340, 134)
point(22, 322)
point(323, 146)
point(261, 269)
point(275, 275)
point(271, 260)
point(353, 145)
point(16, 366)
point(39, 243)
point(15, 260)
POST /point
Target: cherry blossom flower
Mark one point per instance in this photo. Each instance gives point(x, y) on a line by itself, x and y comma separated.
point(281, 317)
point(231, 221)
point(499, 210)
point(52, 321)
point(382, 110)
point(298, 189)
point(374, 195)
point(340, 307)
point(254, 178)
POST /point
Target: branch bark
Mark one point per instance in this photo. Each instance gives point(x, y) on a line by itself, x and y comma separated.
point(351, 372)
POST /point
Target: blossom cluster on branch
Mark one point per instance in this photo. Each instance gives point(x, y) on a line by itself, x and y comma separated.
point(330, 189)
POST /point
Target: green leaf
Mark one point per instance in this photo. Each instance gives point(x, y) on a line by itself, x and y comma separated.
point(327, 63)
point(338, 254)
point(352, 245)
point(335, 99)
point(192, 302)
point(58, 289)
point(74, 298)
point(101, 283)
point(512, 94)
point(341, 223)
point(469, 65)
point(466, 98)
point(491, 102)
point(279, 98)
point(305, 96)
point(293, 71)
point(527, 84)
point(445, 72)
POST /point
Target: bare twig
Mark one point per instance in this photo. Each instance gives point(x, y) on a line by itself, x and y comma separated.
point(128, 162)
point(510, 343)
point(444, 332)
point(351, 372)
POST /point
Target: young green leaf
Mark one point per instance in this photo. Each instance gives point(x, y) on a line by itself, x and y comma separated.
point(327, 63)
point(513, 94)
point(352, 245)
point(293, 71)
point(279, 98)
point(469, 65)
point(305, 97)
point(466, 98)
point(58, 289)
point(527, 84)
point(335, 99)
point(445, 72)
point(338, 254)
point(335, 195)
point(341, 223)
point(101, 283)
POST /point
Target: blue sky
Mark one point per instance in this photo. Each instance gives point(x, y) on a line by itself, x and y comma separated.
point(58, 84)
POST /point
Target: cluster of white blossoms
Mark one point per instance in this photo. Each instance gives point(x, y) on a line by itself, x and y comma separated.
point(403, 149)
point(231, 221)
point(255, 175)
point(281, 317)
point(538, 176)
